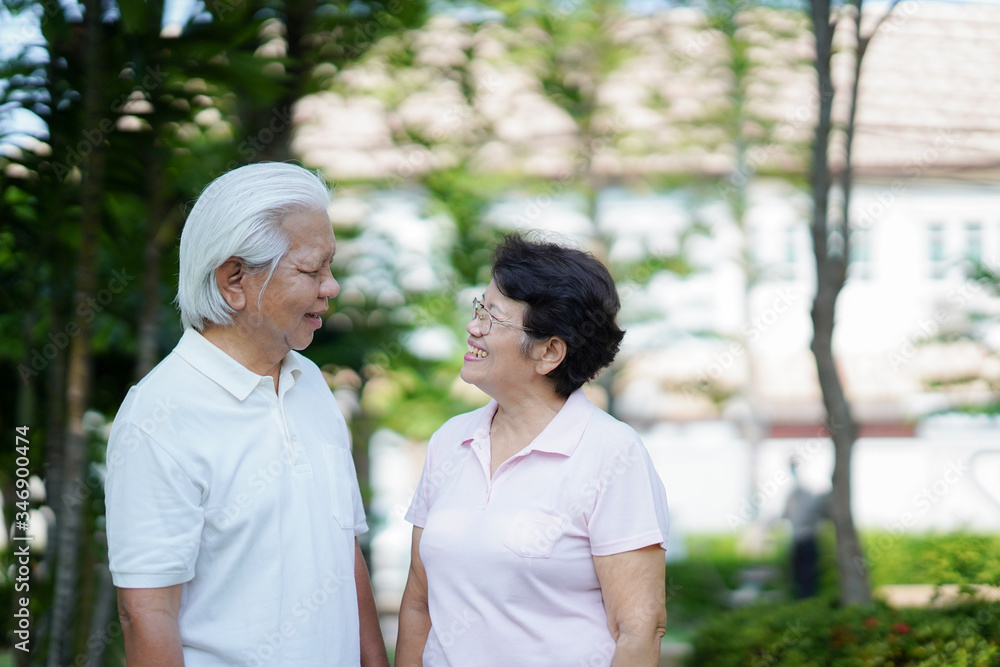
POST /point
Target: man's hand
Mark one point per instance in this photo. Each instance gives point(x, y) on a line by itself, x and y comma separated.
point(372, 645)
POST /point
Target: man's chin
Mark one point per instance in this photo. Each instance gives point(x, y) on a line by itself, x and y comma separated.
point(301, 341)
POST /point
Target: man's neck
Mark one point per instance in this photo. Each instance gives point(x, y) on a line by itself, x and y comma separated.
point(239, 345)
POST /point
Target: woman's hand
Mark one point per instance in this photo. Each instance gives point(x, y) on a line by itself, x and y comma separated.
point(634, 591)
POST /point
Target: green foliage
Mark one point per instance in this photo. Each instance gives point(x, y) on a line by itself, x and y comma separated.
point(413, 404)
point(814, 633)
point(700, 602)
point(954, 558)
point(986, 276)
point(700, 587)
point(464, 198)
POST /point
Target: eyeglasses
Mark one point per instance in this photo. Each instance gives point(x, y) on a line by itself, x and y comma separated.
point(486, 319)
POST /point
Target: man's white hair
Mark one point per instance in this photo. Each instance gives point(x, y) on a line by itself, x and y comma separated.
point(239, 215)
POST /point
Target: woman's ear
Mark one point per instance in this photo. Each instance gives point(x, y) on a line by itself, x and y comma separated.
point(229, 278)
point(549, 354)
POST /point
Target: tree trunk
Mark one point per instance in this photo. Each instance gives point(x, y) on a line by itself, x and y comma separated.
point(100, 625)
point(69, 504)
point(831, 270)
point(854, 584)
point(272, 128)
point(157, 219)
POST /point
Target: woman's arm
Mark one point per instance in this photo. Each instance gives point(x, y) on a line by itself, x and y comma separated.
point(149, 626)
point(634, 591)
point(414, 617)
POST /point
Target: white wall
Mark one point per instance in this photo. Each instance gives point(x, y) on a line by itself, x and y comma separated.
point(945, 479)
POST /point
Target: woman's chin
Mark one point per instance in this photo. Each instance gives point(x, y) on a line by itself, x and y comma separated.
point(469, 377)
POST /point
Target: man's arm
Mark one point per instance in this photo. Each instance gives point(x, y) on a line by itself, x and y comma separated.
point(634, 591)
point(149, 626)
point(414, 617)
point(372, 645)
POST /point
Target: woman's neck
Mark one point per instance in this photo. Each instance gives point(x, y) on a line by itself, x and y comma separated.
point(518, 422)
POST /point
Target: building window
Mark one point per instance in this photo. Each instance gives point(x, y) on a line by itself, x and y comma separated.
point(935, 250)
point(973, 243)
point(791, 236)
point(753, 247)
point(860, 266)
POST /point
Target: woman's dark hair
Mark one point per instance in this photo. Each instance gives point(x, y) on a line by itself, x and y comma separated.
point(568, 294)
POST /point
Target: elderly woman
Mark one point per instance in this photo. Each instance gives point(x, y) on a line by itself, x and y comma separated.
point(539, 523)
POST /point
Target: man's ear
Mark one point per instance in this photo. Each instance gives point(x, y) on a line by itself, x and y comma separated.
point(229, 278)
point(549, 354)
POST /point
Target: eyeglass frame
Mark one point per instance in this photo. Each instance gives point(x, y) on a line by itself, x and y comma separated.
point(478, 305)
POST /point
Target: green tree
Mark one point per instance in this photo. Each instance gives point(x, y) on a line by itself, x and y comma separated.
point(138, 122)
point(831, 236)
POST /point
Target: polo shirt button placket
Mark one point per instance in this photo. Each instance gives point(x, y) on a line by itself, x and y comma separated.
point(279, 408)
point(491, 485)
point(488, 495)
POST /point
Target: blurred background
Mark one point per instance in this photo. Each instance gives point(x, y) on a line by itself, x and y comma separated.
point(799, 202)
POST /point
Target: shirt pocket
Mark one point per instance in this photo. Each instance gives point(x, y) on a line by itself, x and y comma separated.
point(340, 470)
point(533, 533)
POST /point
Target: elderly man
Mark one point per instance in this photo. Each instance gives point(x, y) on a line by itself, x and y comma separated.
point(232, 500)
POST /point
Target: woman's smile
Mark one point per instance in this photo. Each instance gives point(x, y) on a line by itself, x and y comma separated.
point(475, 353)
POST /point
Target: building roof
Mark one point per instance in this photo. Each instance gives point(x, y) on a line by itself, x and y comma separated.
point(666, 101)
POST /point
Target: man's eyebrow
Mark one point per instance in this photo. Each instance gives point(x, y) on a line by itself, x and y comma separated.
point(318, 258)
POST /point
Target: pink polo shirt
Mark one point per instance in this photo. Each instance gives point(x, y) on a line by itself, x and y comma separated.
point(509, 560)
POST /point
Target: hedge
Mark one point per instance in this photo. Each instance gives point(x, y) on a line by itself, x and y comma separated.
point(815, 633)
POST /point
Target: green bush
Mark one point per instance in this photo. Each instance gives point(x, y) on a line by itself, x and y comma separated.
point(699, 587)
point(815, 633)
point(946, 558)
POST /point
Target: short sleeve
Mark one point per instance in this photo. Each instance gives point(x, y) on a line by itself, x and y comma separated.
point(447, 451)
point(420, 505)
point(154, 513)
point(360, 523)
point(630, 510)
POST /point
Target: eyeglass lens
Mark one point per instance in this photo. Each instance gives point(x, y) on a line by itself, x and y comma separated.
point(485, 321)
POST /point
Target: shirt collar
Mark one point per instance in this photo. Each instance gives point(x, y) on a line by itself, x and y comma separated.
point(225, 371)
point(291, 369)
point(560, 436)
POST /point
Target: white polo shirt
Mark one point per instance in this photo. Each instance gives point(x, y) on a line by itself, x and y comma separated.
point(509, 560)
point(248, 498)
